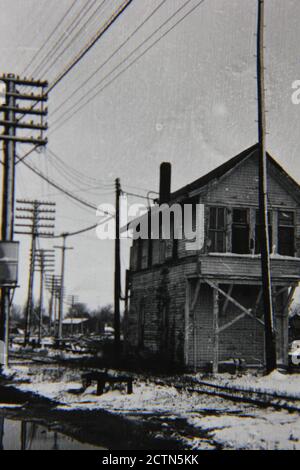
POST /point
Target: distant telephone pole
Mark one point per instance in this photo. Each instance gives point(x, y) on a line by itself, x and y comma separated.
point(53, 286)
point(45, 263)
point(117, 283)
point(11, 120)
point(270, 335)
point(33, 215)
point(63, 249)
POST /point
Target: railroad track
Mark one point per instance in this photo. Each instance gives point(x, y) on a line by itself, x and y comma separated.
point(235, 394)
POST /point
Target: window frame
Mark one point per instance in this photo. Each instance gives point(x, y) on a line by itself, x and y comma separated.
point(292, 227)
point(241, 225)
point(216, 231)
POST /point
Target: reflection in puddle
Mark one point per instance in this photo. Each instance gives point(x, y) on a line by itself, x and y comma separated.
point(23, 435)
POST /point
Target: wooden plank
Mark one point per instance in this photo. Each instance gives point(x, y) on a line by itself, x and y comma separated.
point(290, 298)
point(227, 300)
point(231, 323)
point(216, 329)
point(187, 323)
point(285, 328)
point(257, 302)
point(232, 300)
point(196, 295)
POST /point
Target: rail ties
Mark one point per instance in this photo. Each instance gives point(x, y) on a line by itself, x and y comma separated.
point(253, 397)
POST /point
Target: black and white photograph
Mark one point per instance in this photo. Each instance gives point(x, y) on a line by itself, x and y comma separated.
point(150, 228)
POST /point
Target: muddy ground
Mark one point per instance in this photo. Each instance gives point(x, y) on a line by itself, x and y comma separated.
point(98, 428)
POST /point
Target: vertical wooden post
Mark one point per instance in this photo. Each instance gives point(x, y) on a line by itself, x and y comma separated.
point(194, 339)
point(216, 331)
point(7, 223)
point(117, 275)
point(270, 335)
point(187, 322)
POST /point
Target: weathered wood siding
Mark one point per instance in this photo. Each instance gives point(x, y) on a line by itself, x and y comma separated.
point(164, 282)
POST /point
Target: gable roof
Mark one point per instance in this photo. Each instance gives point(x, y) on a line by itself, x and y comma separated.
point(290, 184)
point(228, 166)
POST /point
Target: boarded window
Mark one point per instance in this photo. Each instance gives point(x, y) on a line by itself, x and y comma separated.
point(286, 233)
point(258, 233)
point(240, 231)
point(217, 229)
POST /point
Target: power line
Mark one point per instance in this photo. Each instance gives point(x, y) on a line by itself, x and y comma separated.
point(88, 47)
point(79, 232)
point(113, 18)
point(71, 42)
point(110, 57)
point(77, 174)
point(69, 9)
point(138, 196)
point(129, 65)
point(82, 231)
point(60, 188)
point(69, 30)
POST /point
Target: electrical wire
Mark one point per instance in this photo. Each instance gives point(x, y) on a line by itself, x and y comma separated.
point(113, 18)
point(109, 58)
point(138, 195)
point(128, 66)
point(69, 9)
point(81, 231)
point(60, 188)
point(69, 30)
point(71, 42)
point(79, 175)
point(76, 182)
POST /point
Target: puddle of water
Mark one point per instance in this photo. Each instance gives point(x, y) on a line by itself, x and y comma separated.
point(22, 435)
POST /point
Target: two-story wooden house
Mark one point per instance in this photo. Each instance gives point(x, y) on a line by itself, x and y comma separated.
point(202, 307)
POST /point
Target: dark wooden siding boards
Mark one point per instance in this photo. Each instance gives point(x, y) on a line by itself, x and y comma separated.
point(247, 266)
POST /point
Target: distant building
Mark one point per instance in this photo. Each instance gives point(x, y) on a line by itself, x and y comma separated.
point(75, 326)
point(193, 308)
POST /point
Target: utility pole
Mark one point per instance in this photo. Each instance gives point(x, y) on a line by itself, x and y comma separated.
point(270, 335)
point(63, 249)
point(11, 121)
point(45, 264)
point(53, 286)
point(33, 212)
point(117, 283)
point(7, 216)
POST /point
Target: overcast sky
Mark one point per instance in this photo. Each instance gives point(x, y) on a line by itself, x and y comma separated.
point(190, 100)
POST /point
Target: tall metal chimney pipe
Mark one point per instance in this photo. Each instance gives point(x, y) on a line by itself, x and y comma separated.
point(165, 182)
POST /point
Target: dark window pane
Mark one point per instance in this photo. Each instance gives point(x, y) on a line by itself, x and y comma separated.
point(213, 218)
point(221, 218)
point(240, 240)
point(240, 232)
point(240, 216)
point(286, 237)
point(220, 242)
point(286, 218)
point(217, 232)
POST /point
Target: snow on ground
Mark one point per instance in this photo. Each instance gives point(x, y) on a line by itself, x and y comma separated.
point(217, 422)
point(281, 384)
